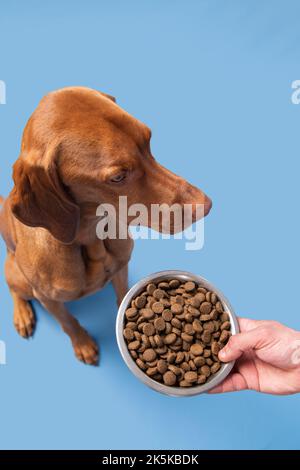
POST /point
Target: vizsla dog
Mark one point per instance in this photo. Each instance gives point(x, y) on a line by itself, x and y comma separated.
point(79, 149)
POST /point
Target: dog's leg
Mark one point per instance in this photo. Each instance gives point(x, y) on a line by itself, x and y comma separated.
point(85, 348)
point(21, 292)
point(24, 318)
point(120, 283)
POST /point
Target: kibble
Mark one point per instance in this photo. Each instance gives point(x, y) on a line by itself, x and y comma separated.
point(189, 329)
point(225, 326)
point(162, 366)
point(225, 335)
point(158, 341)
point(205, 308)
point(206, 337)
point(199, 361)
point(148, 329)
point(205, 370)
point(196, 349)
point(191, 376)
point(175, 370)
point(150, 288)
point(149, 355)
point(180, 357)
point(201, 379)
point(174, 331)
point(187, 338)
point(128, 334)
point(170, 338)
point(167, 315)
point(197, 326)
point(189, 286)
point(158, 294)
point(215, 367)
point(141, 364)
point(147, 313)
point(176, 308)
point(134, 345)
point(159, 324)
point(131, 312)
point(157, 307)
point(141, 301)
point(215, 348)
point(169, 378)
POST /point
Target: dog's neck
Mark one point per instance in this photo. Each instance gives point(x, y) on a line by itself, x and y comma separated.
point(86, 234)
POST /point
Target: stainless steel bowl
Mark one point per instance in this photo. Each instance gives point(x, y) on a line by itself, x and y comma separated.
point(159, 387)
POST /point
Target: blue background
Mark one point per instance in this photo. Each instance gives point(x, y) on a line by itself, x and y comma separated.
point(213, 81)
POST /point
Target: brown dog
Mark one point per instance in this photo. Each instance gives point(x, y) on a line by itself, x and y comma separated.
point(78, 149)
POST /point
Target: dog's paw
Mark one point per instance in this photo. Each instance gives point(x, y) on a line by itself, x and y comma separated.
point(24, 319)
point(85, 348)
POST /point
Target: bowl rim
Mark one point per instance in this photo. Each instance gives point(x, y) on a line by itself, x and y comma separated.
point(129, 361)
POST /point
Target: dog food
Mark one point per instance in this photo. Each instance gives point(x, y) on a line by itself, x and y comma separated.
point(174, 331)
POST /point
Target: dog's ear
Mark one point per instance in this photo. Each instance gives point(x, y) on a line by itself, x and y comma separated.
point(112, 98)
point(39, 199)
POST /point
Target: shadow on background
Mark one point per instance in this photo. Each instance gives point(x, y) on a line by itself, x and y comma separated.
point(96, 313)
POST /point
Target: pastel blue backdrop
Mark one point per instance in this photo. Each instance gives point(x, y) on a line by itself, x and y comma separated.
point(213, 81)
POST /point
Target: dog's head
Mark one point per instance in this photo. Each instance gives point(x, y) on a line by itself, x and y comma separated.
point(79, 147)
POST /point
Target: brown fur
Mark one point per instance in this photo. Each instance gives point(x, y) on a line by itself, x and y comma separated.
point(74, 143)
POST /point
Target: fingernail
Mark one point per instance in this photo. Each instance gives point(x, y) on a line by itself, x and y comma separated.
point(222, 354)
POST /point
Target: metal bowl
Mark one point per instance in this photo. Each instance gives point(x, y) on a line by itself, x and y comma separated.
point(216, 379)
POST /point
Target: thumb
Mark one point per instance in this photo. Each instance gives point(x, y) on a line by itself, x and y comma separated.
point(241, 343)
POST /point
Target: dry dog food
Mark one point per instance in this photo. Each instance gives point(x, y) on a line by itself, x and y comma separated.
point(174, 331)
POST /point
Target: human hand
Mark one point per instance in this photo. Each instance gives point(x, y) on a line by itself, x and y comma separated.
point(267, 357)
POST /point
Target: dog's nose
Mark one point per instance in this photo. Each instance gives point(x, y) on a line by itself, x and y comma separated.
point(207, 205)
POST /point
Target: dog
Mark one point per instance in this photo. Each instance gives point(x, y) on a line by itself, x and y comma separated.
point(79, 148)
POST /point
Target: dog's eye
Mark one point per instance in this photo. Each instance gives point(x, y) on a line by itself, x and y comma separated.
point(119, 177)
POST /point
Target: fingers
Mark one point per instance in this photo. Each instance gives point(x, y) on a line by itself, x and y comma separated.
point(268, 342)
point(247, 324)
point(235, 382)
point(241, 343)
